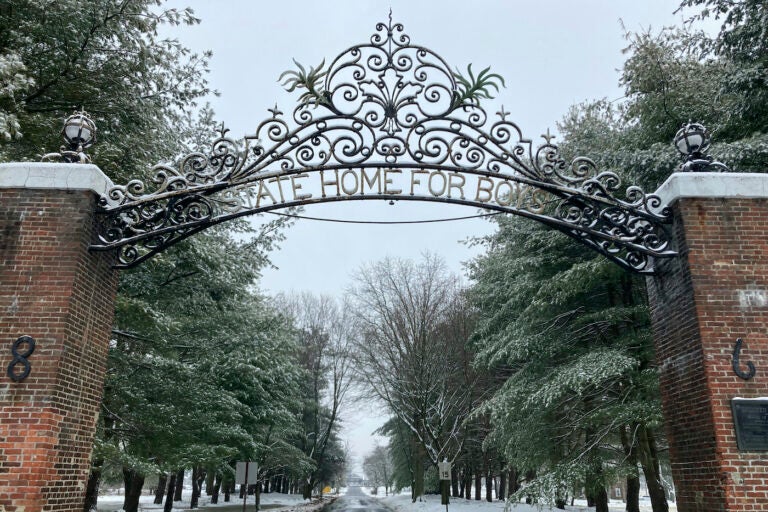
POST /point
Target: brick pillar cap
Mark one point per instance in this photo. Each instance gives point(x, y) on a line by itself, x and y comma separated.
point(712, 185)
point(54, 176)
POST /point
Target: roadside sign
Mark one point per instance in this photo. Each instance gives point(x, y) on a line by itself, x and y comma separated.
point(444, 468)
point(251, 472)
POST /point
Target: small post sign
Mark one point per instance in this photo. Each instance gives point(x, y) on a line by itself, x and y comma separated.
point(444, 469)
point(246, 473)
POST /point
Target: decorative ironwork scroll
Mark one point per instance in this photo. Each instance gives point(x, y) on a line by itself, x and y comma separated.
point(386, 120)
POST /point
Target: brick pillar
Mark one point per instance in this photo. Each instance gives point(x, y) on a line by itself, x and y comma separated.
point(54, 290)
point(714, 293)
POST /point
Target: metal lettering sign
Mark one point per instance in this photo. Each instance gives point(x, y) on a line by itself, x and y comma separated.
point(387, 120)
point(750, 419)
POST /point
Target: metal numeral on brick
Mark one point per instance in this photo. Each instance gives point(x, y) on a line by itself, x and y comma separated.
point(20, 358)
point(736, 353)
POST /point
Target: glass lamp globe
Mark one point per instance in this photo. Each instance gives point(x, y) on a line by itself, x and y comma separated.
point(692, 138)
point(79, 131)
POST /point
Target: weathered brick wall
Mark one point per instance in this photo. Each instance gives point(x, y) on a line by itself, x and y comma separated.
point(53, 289)
point(698, 312)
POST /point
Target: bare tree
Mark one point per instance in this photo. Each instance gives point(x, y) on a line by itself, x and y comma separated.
point(379, 469)
point(409, 356)
point(325, 330)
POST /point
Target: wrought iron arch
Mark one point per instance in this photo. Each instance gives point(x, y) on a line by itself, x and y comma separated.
point(384, 121)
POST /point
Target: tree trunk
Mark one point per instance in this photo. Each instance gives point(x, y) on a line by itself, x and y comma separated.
point(201, 473)
point(632, 496)
point(514, 481)
point(133, 483)
point(228, 489)
point(561, 497)
point(198, 475)
point(169, 495)
point(468, 483)
point(179, 485)
point(210, 478)
point(454, 482)
point(216, 487)
point(488, 483)
point(601, 500)
point(162, 480)
point(257, 496)
point(594, 479)
point(92, 490)
point(529, 475)
point(502, 485)
point(478, 485)
point(418, 472)
point(193, 500)
point(649, 461)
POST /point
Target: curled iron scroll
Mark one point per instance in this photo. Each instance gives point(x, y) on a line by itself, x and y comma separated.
point(736, 353)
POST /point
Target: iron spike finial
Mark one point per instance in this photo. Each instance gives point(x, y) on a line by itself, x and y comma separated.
point(275, 111)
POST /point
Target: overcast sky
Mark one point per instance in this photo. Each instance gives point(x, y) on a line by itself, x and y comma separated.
point(552, 54)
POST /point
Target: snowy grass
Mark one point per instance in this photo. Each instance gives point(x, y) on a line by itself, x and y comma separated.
point(270, 502)
point(276, 502)
point(431, 503)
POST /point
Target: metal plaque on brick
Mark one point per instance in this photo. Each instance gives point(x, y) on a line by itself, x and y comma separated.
point(750, 419)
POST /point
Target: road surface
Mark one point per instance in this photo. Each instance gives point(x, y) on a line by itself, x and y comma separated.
point(356, 501)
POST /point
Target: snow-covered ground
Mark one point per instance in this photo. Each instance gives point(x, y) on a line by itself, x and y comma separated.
point(431, 503)
point(276, 502)
point(272, 502)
